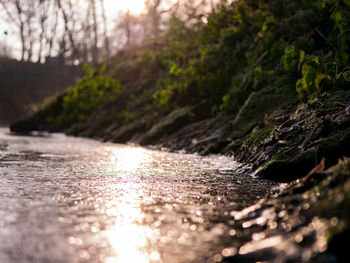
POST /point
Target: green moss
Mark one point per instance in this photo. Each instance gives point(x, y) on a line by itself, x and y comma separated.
point(255, 138)
point(259, 104)
point(169, 124)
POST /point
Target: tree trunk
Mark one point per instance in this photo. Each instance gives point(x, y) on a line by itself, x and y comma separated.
point(94, 28)
point(105, 29)
point(21, 28)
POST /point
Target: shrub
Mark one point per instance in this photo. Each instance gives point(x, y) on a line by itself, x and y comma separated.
point(91, 92)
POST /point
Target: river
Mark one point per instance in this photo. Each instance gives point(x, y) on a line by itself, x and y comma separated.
point(65, 199)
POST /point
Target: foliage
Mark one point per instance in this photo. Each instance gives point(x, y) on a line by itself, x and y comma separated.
point(312, 75)
point(289, 46)
point(92, 91)
point(241, 49)
point(326, 66)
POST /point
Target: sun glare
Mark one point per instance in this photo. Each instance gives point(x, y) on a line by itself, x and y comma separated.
point(129, 158)
point(134, 6)
point(130, 240)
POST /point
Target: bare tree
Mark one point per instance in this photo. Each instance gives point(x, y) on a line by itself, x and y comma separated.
point(30, 26)
point(5, 50)
point(154, 15)
point(76, 30)
point(36, 22)
point(126, 24)
point(192, 11)
point(106, 40)
point(86, 43)
point(158, 13)
point(67, 12)
point(21, 22)
point(43, 12)
point(14, 11)
point(95, 31)
point(51, 32)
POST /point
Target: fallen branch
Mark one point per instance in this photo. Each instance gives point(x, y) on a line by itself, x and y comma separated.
point(319, 168)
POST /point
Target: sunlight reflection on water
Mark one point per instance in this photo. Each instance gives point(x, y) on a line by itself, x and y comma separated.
point(92, 202)
point(129, 158)
point(128, 237)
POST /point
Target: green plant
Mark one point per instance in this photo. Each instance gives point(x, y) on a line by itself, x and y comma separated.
point(290, 58)
point(313, 73)
point(91, 92)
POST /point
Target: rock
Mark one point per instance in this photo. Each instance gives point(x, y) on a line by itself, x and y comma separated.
point(169, 124)
point(26, 125)
point(43, 120)
point(126, 132)
point(172, 123)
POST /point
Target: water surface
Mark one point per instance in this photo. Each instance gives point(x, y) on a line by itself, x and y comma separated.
point(65, 199)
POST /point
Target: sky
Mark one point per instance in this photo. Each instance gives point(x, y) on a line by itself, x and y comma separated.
point(134, 6)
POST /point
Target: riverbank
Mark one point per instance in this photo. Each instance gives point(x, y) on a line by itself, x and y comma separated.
point(309, 220)
point(256, 81)
point(290, 136)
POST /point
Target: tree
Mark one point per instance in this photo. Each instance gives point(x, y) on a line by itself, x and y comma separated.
point(15, 14)
point(67, 12)
point(35, 23)
point(5, 50)
point(127, 23)
point(154, 14)
point(94, 30)
point(43, 10)
point(104, 20)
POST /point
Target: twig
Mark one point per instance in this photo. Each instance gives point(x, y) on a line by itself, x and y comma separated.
point(319, 168)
